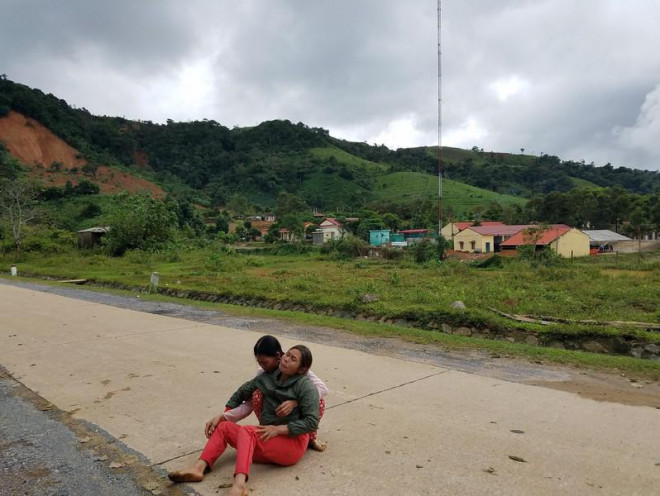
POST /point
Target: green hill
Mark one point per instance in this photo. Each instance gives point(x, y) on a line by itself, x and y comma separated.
point(403, 187)
point(212, 164)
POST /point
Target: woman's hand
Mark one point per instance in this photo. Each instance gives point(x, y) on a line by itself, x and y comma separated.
point(286, 408)
point(212, 424)
point(266, 432)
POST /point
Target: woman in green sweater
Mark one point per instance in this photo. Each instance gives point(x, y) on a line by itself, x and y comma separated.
point(281, 440)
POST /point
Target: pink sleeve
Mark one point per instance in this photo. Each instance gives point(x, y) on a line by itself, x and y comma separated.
point(239, 413)
point(320, 385)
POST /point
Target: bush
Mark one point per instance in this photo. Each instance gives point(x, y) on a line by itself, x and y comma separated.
point(490, 263)
point(543, 257)
point(292, 249)
point(139, 222)
point(46, 240)
point(424, 251)
point(346, 247)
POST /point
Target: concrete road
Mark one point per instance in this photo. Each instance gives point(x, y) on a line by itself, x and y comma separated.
point(393, 427)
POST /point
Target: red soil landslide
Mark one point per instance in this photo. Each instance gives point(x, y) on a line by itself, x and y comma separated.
point(36, 147)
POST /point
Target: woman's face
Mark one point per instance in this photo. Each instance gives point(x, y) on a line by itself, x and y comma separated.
point(290, 362)
point(268, 363)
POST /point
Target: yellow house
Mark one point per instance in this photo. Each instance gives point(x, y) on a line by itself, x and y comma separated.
point(451, 229)
point(563, 240)
point(484, 239)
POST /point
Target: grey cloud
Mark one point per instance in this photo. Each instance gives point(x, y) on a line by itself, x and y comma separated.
point(355, 67)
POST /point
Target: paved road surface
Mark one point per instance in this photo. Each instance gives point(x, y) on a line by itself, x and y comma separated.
point(393, 426)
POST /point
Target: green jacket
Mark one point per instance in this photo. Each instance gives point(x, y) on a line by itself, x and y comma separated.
point(303, 419)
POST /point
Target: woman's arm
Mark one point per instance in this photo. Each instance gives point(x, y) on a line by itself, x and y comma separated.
point(243, 393)
point(240, 412)
point(244, 409)
point(307, 397)
point(286, 407)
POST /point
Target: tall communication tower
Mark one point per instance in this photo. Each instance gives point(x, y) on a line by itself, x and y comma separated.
point(439, 119)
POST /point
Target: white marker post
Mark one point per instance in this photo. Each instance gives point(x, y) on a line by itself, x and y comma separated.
point(153, 286)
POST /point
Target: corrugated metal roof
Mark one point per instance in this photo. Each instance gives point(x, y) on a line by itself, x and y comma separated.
point(604, 236)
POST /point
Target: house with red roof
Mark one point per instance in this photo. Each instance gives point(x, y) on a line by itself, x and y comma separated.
point(329, 229)
point(484, 239)
point(562, 239)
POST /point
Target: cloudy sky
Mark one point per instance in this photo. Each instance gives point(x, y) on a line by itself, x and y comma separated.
point(577, 79)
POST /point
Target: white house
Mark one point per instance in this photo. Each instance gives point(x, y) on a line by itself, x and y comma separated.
point(328, 230)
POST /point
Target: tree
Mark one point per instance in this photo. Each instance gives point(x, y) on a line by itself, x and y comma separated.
point(288, 203)
point(139, 222)
point(18, 204)
point(238, 204)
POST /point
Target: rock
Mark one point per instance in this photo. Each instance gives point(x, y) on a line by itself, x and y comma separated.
point(446, 328)
point(593, 347)
point(402, 323)
point(458, 305)
point(532, 340)
point(652, 348)
point(369, 298)
point(636, 352)
point(115, 465)
point(556, 344)
point(463, 331)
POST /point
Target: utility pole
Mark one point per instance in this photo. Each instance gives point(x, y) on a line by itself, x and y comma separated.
point(439, 119)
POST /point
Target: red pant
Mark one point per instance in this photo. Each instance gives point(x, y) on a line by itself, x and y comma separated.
point(280, 450)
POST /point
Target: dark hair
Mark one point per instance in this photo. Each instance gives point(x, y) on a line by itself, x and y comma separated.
point(268, 346)
point(305, 355)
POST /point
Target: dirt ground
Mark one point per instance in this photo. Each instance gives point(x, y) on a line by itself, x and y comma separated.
point(37, 148)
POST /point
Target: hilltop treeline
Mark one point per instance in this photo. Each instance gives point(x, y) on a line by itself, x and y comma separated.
point(258, 163)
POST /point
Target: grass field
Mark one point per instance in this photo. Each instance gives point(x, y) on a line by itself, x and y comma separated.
point(602, 289)
point(346, 158)
point(402, 187)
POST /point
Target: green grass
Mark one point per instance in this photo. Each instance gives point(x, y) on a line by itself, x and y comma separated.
point(346, 158)
point(401, 187)
point(583, 183)
point(576, 289)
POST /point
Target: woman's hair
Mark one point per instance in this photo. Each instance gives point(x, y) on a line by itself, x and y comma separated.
point(268, 346)
point(305, 355)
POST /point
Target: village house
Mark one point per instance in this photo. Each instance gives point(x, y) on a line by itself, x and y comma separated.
point(285, 234)
point(379, 237)
point(484, 239)
point(451, 229)
point(329, 229)
point(561, 239)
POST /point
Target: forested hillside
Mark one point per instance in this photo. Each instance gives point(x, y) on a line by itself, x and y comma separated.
point(215, 164)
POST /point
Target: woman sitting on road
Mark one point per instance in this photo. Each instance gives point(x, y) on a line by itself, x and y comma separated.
point(267, 352)
point(278, 440)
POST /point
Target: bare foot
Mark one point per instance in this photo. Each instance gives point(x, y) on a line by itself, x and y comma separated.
point(192, 474)
point(316, 446)
point(239, 488)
